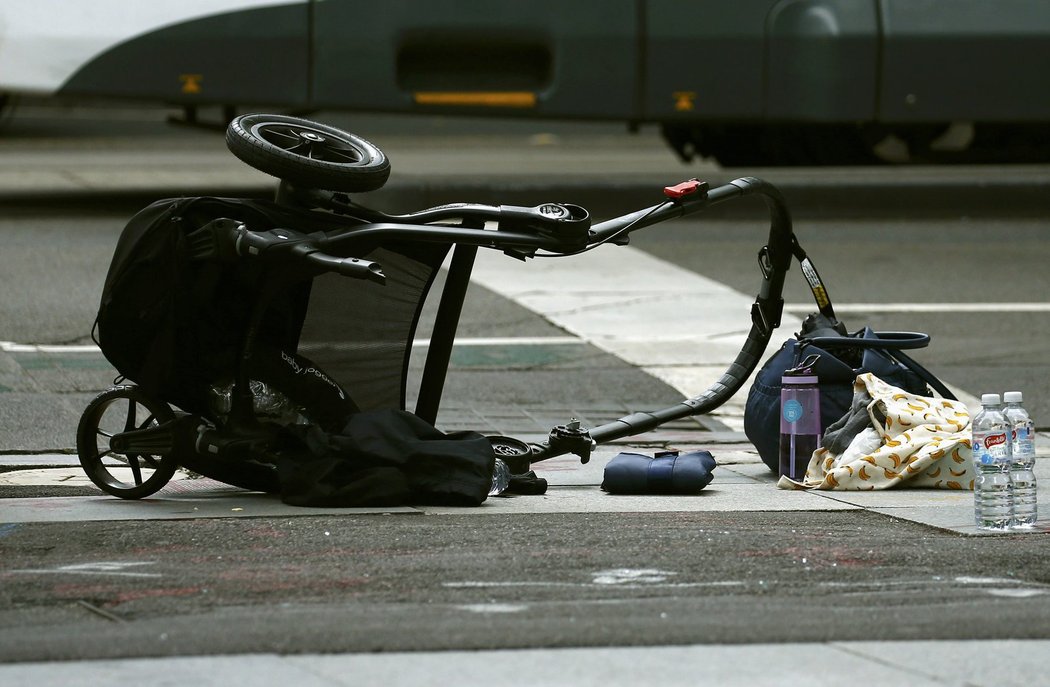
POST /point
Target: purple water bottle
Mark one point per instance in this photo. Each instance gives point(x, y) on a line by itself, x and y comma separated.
point(799, 418)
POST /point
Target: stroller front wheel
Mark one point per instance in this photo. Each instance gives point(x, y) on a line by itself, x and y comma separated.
point(126, 475)
point(307, 154)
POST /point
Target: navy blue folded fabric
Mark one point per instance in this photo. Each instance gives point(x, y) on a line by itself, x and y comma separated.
point(665, 473)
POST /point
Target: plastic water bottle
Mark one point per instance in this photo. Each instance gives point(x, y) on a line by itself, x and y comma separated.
point(992, 488)
point(799, 418)
point(1022, 469)
point(500, 478)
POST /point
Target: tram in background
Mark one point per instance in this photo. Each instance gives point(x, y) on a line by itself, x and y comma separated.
point(747, 82)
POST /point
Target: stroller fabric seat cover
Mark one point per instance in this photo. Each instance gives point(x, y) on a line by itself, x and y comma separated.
point(174, 323)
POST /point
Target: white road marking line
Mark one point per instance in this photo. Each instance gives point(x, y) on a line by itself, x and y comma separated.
point(924, 307)
point(621, 576)
point(639, 336)
point(541, 583)
point(12, 347)
point(115, 568)
point(494, 608)
point(510, 341)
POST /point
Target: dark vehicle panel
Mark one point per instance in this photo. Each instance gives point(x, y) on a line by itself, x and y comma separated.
point(748, 82)
point(980, 61)
point(544, 58)
point(250, 56)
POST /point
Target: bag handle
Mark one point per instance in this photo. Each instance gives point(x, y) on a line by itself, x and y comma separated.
point(894, 341)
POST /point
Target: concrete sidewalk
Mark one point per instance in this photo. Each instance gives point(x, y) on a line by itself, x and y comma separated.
point(520, 163)
point(874, 664)
point(742, 483)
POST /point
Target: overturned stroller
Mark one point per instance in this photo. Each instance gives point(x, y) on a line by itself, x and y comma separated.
point(206, 315)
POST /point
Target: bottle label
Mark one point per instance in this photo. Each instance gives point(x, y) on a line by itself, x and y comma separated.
point(1024, 442)
point(993, 440)
point(991, 448)
point(793, 410)
point(799, 411)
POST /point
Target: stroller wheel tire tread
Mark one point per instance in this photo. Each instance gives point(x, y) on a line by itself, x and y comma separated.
point(307, 154)
point(120, 409)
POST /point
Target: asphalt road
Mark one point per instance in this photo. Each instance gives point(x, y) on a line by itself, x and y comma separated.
point(417, 583)
point(386, 582)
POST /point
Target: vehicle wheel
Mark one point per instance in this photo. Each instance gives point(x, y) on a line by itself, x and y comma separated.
point(116, 410)
point(774, 146)
point(307, 154)
point(821, 145)
point(735, 146)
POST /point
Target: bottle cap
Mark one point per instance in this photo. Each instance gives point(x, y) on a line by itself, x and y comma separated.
point(803, 372)
point(799, 380)
point(989, 399)
point(1013, 397)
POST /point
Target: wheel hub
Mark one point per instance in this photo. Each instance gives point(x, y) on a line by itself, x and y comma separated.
point(311, 137)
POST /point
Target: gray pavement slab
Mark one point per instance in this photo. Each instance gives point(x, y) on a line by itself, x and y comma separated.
point(741, 484)
point(510, 162)
point(874, 664)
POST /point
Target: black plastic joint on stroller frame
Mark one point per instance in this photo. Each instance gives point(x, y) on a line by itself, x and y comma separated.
point(766, 314)
point(216, 240)
point(572, 438)
point(563, 221)
point(161, 439)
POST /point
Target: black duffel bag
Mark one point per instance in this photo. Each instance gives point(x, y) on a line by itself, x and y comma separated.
point(843, 356)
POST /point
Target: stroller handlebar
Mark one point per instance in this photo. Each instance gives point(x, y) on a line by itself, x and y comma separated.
point(348, 267)
point(286, 244)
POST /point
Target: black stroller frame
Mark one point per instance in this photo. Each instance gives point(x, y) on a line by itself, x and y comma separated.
point(308, 157)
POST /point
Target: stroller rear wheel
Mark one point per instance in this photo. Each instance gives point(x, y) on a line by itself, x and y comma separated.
point(114, 411)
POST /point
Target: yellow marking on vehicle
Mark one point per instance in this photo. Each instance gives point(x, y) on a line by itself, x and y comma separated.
point(476, 98)
point(191, 83)
point(684, 101)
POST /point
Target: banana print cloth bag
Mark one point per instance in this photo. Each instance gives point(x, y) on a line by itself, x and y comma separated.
point(892, 438)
